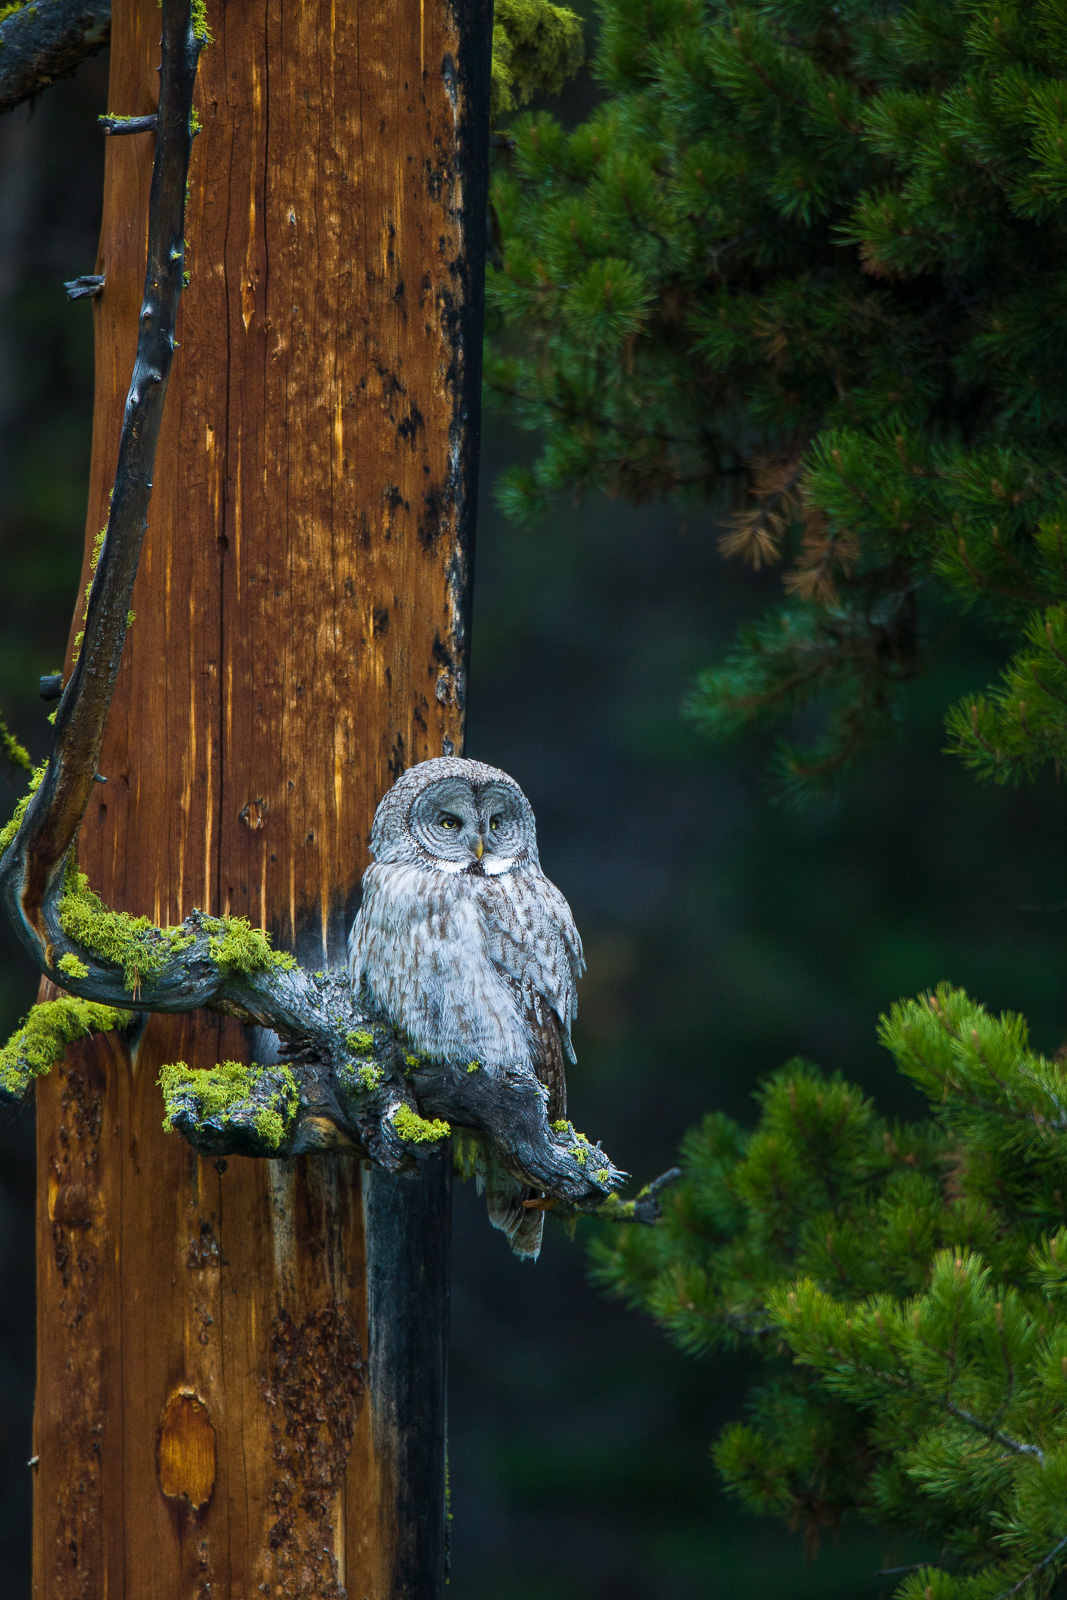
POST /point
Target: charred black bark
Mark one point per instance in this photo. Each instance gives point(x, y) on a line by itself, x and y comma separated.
point(40, 43)
point(408, 1222)
point(33, 864)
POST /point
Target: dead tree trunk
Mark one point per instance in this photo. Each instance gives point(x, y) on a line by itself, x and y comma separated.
point(241, 1365)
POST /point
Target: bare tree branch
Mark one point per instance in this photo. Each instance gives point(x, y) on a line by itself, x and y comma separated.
point(113, 124)
point(33, 865)
point(87, 287)
point(39, 43)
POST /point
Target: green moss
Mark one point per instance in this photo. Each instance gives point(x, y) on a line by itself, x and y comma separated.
point(235, 946)
point(412, 1061)
point(602, 1174)
point(367, 1077)
point(221, 1092)
point(579, 1152)
point(466, 1152)
point(9, 830)
point(201, 30)
point(214, 1091)
point(43, 1038)
point(360, 1040)
point(98, 546)
point(132, 943)
point(15, 753)
point(141, 949)
point(271, 1127)
point(73, 967)
point(414, 1129)
point(474, 1066)
point(561, 1127)
point(9, 11)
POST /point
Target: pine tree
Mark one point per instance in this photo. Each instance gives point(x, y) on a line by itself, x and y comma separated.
point(906, 1286)
point(817, 251)
point(816, 254)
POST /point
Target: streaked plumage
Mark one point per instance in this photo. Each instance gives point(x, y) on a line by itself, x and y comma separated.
point(464, 943)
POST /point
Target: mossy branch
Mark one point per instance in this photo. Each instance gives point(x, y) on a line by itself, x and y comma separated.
point(40, 1042)
point(347, 1078)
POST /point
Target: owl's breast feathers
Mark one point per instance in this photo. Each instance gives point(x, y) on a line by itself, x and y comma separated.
point(472, 967)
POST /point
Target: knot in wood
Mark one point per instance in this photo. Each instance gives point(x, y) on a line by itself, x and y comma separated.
point(186, 1450)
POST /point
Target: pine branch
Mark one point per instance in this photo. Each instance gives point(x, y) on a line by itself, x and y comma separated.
point(1015, 1446)
point(1036, 1571)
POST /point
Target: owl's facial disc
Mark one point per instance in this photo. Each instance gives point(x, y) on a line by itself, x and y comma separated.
point(444, 821)
point(463, 826)
point(504, 827)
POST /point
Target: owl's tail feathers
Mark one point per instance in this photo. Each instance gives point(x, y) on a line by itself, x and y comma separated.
point(504, 1196)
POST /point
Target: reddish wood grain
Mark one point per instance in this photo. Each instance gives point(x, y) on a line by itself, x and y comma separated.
point(299, 639)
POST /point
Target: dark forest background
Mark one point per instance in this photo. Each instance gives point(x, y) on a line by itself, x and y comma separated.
point(723, 935)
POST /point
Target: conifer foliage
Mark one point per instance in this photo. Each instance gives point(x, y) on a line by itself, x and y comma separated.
point(818, 250)
point(907, 1288)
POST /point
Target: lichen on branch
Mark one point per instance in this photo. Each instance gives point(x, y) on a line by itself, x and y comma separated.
point(11, 827)
point(41, 1041)
point(236, 946)
point(236, 1098)
point(414, 1129)
point(16, 754)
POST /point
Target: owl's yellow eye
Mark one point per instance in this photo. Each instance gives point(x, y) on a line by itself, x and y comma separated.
point(494, 822)
point(448, 821)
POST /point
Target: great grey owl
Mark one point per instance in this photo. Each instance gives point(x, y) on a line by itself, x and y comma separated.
point(465, 945)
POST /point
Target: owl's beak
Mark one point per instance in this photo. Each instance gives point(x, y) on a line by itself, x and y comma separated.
point(479, 848)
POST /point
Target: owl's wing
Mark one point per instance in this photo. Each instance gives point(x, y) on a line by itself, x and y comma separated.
point(533, 943)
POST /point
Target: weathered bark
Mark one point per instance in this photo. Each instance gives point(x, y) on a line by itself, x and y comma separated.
point(230, 1365)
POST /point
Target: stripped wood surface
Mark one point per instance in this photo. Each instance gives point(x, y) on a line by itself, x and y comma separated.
point(241, 1365)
